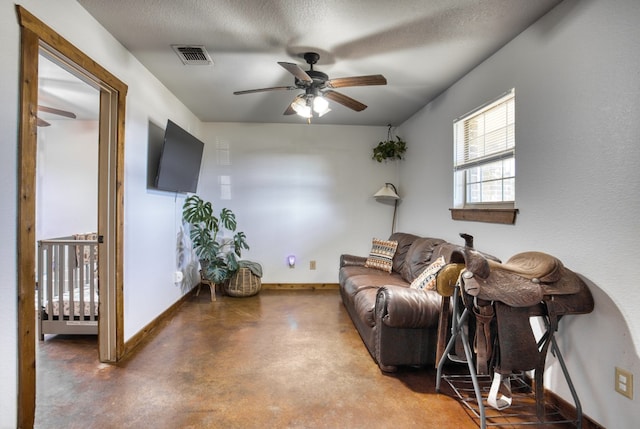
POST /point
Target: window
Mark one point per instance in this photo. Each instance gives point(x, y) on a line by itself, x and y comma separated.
point(484, 156)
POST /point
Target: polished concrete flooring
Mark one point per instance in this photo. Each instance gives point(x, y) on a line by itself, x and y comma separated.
point(281, 359)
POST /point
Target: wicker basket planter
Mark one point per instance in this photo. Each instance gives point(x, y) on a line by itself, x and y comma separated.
point(243, 283)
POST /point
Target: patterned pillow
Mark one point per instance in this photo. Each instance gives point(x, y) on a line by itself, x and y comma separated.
point(381, 256)
point(427, 279)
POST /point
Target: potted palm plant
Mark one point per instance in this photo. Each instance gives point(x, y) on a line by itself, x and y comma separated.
point(217, 252)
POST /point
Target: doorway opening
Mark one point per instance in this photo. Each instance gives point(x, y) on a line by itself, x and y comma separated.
point(66, 201)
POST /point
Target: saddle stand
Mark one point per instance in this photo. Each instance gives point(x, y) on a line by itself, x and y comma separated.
point(495, 303)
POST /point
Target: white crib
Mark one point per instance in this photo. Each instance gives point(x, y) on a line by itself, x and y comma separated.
point(68, 285)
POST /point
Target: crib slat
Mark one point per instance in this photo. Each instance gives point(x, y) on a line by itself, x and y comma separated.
point(72, 263)
point(93, 265)
point(62, 275)
point(81, 279)
point(50, 280)
point(41, 285)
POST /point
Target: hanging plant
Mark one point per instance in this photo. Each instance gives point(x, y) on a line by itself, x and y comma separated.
point(390, 148)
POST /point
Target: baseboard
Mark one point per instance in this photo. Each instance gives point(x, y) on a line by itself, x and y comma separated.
point(565, 408)
point(568, 410)
point(142, 334)
point(300, 286)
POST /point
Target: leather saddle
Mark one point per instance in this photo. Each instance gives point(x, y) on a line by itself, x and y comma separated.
point(503, 297)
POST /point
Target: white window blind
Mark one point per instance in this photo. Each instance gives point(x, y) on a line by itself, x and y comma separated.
point(484, 154)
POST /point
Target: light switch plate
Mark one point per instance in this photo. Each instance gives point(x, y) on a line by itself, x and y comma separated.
point(624, 382)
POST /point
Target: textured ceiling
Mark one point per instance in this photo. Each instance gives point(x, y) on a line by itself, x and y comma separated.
point(420, 46)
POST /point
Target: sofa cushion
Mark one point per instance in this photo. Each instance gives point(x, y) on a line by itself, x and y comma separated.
point(354, 279)
point(427, 278)
point(381, 255)
point(419, 257)
point(404, 243)
point(409, 308)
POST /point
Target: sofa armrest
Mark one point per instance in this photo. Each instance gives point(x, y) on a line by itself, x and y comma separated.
point(403, 307)
point(352, 260)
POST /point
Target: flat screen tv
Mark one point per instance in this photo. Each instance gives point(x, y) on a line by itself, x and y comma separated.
point(179, 166)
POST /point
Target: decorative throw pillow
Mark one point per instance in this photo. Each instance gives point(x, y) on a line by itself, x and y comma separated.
point(427, 279)
point(381, 256)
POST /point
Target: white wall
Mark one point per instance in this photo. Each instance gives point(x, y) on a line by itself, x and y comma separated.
point(67, 179)
point(10, 38)
point(578, 157)
point(304, 190)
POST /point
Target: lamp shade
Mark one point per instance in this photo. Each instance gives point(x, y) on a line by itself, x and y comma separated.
point(387, 193)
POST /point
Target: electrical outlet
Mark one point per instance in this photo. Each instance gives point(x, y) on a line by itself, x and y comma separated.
point(624, 382)
point(312, 265)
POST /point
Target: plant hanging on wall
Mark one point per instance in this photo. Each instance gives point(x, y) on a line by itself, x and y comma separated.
point(390, 148)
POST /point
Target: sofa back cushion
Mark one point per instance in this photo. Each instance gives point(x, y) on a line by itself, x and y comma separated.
point(418, 257)
point(404, 243)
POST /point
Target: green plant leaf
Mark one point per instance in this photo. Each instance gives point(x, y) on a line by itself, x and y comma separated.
point(228, 219)
point(232, 262)
point(240, 242)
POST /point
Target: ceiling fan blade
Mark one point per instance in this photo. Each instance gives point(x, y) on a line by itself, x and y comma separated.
point(295, 70)
point(341, 82)
point(55, 111)
point(344, 100)
point(289, 110)
point(275, 88)
point(42, 123)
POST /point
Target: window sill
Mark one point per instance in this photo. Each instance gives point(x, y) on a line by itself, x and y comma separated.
point(504, 216)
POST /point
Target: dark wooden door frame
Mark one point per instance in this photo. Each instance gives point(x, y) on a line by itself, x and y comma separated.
point(34, 35)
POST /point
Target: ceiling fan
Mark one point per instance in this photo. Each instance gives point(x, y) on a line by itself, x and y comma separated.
point(42, 123)
point(318, 88)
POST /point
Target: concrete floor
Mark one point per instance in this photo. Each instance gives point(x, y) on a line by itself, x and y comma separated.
point(281, 359)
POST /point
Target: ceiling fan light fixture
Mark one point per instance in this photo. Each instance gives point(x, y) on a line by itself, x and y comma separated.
point(320, 115)
point(320, 105)
point(301, 108)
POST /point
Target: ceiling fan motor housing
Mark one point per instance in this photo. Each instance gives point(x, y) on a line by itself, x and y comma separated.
point(319, 80)
point(311, 58)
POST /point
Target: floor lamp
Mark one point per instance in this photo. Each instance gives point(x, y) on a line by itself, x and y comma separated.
point(387, 194)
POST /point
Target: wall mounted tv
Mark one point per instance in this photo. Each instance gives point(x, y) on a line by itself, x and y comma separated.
point(179, 166)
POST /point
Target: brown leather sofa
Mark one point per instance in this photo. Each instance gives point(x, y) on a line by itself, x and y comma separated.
point(398, 324)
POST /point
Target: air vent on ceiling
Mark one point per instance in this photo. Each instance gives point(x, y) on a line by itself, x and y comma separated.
point(193, 55)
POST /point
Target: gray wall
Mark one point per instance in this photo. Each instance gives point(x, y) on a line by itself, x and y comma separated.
point(578, 157)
